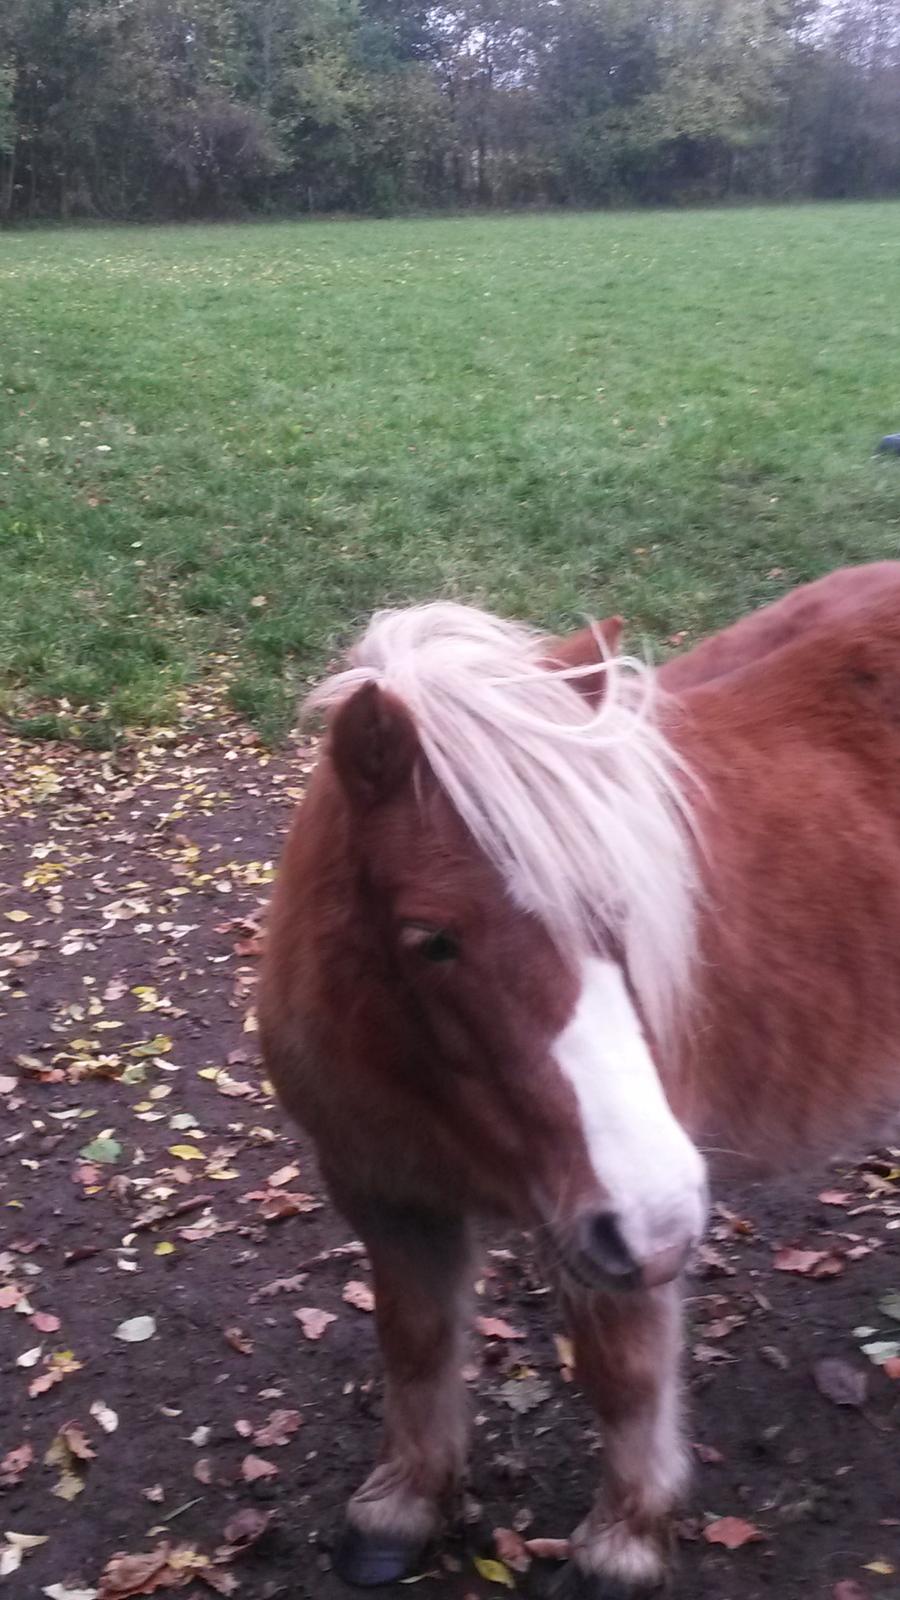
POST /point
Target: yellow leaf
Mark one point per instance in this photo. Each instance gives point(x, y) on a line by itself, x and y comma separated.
point(495, 1572)
point(209, 1072)
point(186, 1152)
point(18, 916)
point(164, 1249)
point(883, 1568)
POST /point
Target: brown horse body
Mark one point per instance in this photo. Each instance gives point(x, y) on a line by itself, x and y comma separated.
point(452, 1055)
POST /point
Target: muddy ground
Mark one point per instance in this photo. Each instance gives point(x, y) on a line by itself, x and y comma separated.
point(147, 1174)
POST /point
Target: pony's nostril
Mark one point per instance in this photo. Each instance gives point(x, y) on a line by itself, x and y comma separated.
point(601, 1239)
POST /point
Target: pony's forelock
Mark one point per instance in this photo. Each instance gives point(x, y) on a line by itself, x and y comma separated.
point(581, 808)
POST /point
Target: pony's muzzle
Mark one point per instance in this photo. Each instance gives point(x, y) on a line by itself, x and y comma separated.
point(603, 1252)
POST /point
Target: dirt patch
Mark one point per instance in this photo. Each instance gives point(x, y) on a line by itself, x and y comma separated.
point(162, 1228)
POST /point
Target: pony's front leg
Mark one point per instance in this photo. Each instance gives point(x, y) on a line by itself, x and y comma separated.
point(627, 1350)
point(421, 1267)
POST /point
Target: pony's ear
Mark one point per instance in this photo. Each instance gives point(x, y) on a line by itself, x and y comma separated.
point(373, 744)
point(586, 648)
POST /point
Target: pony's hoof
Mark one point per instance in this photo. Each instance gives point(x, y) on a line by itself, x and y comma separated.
point(369, 1560)
point(573, 1584)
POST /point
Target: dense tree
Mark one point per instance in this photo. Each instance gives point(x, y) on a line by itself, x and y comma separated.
point(131, 108)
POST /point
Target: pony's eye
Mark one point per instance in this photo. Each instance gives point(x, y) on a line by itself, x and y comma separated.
point(432, 944)
point(440, 946)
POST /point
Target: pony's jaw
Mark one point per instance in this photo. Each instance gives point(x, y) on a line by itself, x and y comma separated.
point(649, 1207)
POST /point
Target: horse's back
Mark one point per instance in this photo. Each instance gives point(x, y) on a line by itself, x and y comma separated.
point(837, 598)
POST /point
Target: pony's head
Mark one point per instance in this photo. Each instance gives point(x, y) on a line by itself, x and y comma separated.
point(499, 895)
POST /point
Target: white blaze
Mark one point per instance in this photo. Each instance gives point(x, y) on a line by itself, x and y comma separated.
point(643, 1160)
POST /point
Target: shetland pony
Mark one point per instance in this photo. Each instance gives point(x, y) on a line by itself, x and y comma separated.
point(531, 952)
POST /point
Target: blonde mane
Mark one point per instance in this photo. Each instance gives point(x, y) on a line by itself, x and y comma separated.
point(582, 810)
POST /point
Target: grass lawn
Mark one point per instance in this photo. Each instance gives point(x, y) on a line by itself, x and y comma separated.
point(237, 441)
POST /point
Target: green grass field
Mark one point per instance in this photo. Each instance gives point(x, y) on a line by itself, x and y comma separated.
point(238, 441)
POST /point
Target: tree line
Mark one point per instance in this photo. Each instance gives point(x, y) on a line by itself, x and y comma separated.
point(203, 108)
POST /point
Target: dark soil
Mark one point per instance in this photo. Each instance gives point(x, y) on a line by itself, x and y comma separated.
point(143, 876)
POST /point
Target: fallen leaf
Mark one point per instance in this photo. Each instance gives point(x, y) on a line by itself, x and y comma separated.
point(44, 1322)
point(106, 1151)
point(280, 1286)
point(496, 1328)
point(254, 1467)
point(889, 1305)
point(708, 1454)
point(18, 1545)
point(881, 1351)
point(732, 1532)
point(8, 1085)
point(524, 1394)
point(279, 1429)
point(835, 1197)
point(313, 1321)
point(891, 1367)
point(239, 1341)
point(510, 1548)
point(203, 1470)
point(58, 1591)
point(106, 1417)
point(282, 1176)
point(358, 1295)
point(808, 1263)
point(10, 1295)
point(136, 1329)
point(186, 1152)
point(125, 1575)
point(30, 1358)
point(14, 1464)
point(494, 1572)
point(17, 916)
point(883, 1568)
point(549, 1549)
point(60, 1454)
point(76, 1440)
point(246, 1527)
point(848, 1589)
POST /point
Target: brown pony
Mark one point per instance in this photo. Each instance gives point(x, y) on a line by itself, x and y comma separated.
point(532, 951)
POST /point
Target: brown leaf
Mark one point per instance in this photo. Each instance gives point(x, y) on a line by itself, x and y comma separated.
point(840, 1382)
point(722, 1327)
point(496, 1328)
point(14, 1464)
point(10, 1295)
point(246, 1527)
point(510, 1548)
point(732, 1532)
point(239, 1341)
point(74, 1436)
point(280, 1286)
point(253, 1468)
point(710, 1263)
point(808, 1263)
point(313, 1321)
point(279, 1429)
point(835, 1197)
point(549, 1549)
point(125, 1575)
point(358, 1295)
